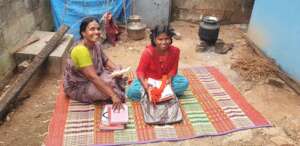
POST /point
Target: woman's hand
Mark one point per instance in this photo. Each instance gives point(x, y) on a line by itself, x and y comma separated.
point(117, 103)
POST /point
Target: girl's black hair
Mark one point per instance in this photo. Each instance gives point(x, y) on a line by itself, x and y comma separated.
point(84, 23)
point(159, 29)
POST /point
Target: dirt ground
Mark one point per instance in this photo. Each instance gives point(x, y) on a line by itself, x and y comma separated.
point(27, 124)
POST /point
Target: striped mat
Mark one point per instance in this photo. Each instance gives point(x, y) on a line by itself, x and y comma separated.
point(211, 106)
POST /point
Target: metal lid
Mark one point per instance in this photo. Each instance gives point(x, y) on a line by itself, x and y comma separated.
point(210, 19)
point(136, 26)
point(134, 18)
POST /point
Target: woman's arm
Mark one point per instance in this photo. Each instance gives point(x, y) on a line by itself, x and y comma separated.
point(91, 75)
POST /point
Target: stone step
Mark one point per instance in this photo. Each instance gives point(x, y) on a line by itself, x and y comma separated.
point(54, 63)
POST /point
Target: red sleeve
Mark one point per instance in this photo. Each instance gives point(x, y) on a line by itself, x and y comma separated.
point(174, 69)
point(143, 64)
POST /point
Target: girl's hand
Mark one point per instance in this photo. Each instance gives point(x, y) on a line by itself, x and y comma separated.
point(169, 81)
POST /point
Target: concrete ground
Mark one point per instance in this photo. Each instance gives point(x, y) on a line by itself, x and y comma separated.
point(27, 124)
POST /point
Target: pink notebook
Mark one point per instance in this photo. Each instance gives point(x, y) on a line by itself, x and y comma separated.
point(118, 117)
point(105, 123)
point(111, 127)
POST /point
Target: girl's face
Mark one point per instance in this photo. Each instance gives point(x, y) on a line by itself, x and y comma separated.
point(92, 32)
point(162, 41)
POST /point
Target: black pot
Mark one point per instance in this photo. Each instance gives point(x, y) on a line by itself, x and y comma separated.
point(209, 30)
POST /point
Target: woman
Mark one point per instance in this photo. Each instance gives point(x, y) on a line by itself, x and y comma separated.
point(158, 59)
point(87, 75)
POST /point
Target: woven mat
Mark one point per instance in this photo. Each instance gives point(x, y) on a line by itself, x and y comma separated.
point(211, 106)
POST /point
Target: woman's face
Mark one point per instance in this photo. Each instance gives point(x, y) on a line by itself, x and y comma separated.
point(162, 41)
point(92, 32)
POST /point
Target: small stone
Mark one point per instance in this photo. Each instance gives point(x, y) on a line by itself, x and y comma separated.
point(22, 66)
point(7, 86)
point(222, 48)
point(46, 121)
point(7, 118)
point(38, 115)
point(177, 36)
point(43, 135)
point(201, 47)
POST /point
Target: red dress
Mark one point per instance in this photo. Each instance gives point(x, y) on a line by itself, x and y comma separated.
point(154, 65)
point(112, 31)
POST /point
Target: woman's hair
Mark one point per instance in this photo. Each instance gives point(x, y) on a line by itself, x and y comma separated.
point(159, 29)
point(84, 23)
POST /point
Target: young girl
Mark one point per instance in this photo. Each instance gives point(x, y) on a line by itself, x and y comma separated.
point(159, 61)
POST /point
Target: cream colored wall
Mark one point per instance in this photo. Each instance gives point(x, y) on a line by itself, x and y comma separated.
point(18, 19)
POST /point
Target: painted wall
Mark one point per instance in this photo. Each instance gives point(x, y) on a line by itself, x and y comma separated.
point(230, 11)
point(18, 19)
point(275, 28)
point(154, 12)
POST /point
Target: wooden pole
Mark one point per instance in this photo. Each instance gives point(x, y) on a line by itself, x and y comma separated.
point(124, 10)
point(12, 93)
